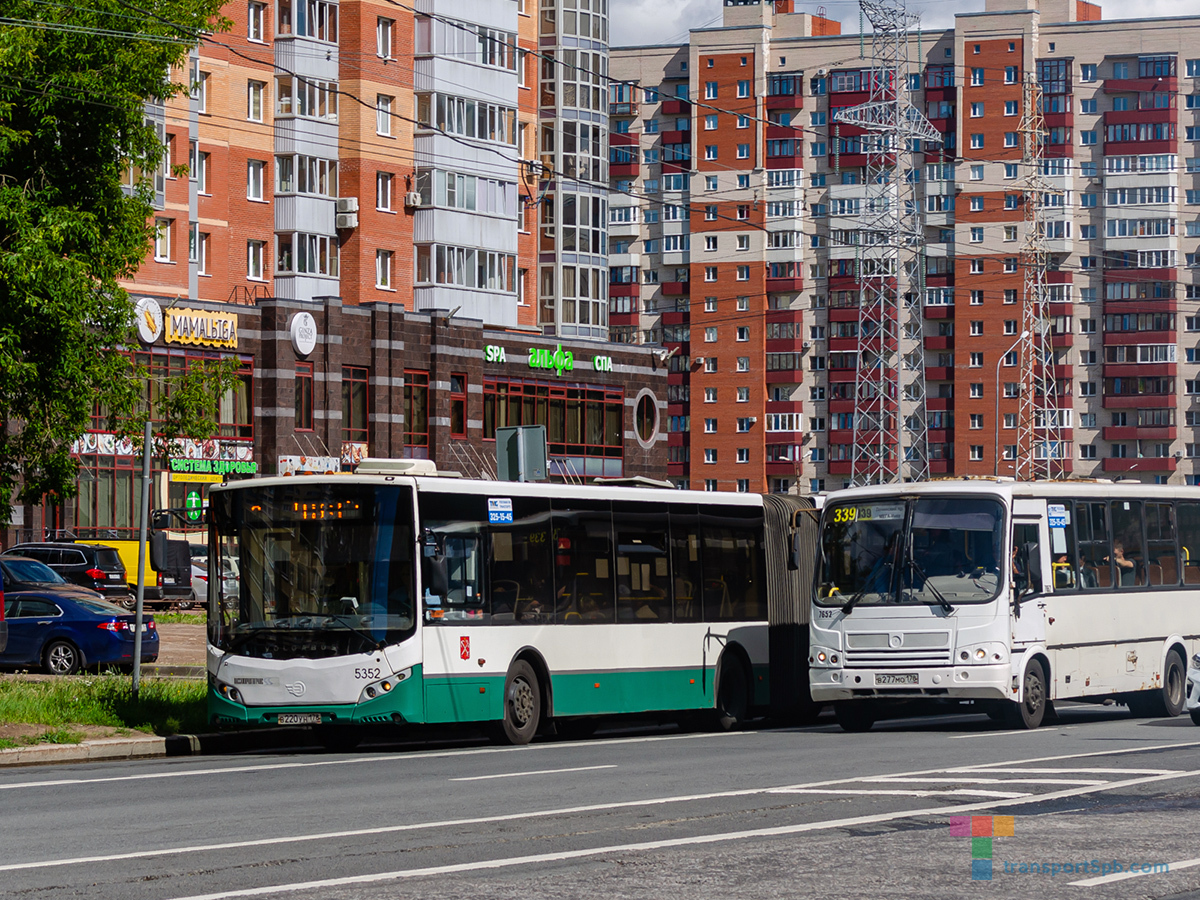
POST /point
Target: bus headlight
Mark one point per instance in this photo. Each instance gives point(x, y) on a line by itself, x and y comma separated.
point(383, 686)
point(823, 656)
point(229, 692)
point(991, 653)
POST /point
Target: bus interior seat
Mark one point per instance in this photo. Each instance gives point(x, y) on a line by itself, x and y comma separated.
point(1191, 574)
point(1168, 567)
point(1103, 576)
point(1154, 573)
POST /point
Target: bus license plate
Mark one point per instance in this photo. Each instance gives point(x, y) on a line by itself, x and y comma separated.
point(896, 678)
point(299, 718)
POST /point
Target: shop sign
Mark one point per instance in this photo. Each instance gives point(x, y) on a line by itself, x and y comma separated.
point(148, 316)
point(303, 330)
point(494, 353)
point(602, 364)
point(202, 326)
point(309, 465)
point(214, 467)
point(558, 361)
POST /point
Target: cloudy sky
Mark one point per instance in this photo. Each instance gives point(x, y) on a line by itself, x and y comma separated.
point(668, 21)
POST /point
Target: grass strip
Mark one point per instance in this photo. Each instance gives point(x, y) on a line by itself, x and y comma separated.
point(163, 707)
point(179, 618)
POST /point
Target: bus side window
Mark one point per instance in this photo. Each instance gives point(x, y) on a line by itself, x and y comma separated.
point(1162, 560)
point(520, 576)
point(584, 588)
point(687, 573)
point(733, 580)
point(1027, 558)
point(1128, 553)
point(1189, 541)
point(1095, 571)
point(643, 566)
point(1062, 547)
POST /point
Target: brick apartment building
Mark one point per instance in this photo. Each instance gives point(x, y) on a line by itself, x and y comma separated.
point(361, 203)
point(732, 237)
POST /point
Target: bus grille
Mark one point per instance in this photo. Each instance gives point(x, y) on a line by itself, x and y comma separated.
point(876, 649)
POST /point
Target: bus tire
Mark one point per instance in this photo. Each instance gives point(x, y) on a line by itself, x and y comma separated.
point(855, 716)
point(340, 738)
point(1168, 701)
point(522, 703)
point(1029, 712)
point(733, 693)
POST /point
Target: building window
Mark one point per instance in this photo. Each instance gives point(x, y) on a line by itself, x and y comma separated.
point(383, 114)
point(976, 77)
point(710, 123)
point(710, 457)
point(710, 90)
point(743, 364)
point(458, 405)
point(416, 413)
point(200, 92)
point(743, 151)
point(383, 269)
point(355, 408)
point(254, 179)
point(254, 260)
point(976, 452)
point(304, 396)
point(743, 273)
point(200, 173)
point(162, 239)
point(743, 89)
point(255, 17)
point(743, 332)
point(710, 365)
point(383, 191)
point(710, 273)
point(254, 100)
point(383, 37)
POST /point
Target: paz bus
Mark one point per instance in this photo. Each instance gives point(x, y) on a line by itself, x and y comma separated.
point(1009, 594)
point(398, 596)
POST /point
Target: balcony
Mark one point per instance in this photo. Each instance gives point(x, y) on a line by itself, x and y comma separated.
point(1141, 370)
point(1134, 433)
point(784, 284)
point(1058, 341)
point(676, 288)
point(625, 108)
point(939, 312)
point(1168, 83)
point(784, 101)
point(677, 106)
point(941, 466)
point(939, 373)
point(1139, 401)
point(939, 342)
point(1113, 338)
point(1140, 464)
point(629, 289)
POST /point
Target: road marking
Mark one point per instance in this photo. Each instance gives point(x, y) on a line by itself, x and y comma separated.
point(563, 811)
point(1122, 876)
point(967, 792)
point(537, 772)
point(777, 831)
point(441, 754)
point(897, 779)
point(989, 769)
point(962, 737)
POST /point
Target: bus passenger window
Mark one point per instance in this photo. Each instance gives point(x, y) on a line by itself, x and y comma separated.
point(584, 590)
point(520, 578)
point(686, 570)
point(1095, 570)
point(1062, 546)
point(1128, 558)
point(1162, 561)
point(643, 570)
point(1027, 559)
point(1189, 541)
point(732, 566)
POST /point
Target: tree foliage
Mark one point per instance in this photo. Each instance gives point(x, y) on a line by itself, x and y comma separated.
point(74, 84)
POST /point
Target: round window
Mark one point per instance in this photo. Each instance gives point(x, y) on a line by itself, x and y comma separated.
point(646, 418)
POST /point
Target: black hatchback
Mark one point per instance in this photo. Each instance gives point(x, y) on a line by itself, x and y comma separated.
point(92, 566)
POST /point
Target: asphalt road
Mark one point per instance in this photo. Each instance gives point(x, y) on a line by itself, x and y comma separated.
point(757, 814)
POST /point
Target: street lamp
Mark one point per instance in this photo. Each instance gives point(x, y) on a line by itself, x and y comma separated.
point(1024, 334)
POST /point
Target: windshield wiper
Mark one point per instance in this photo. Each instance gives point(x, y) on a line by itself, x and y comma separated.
point(938, 595)
point(881, 560)
point(365, 635)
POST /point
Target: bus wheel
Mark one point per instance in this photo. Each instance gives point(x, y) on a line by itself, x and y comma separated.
point(1167, 702)
point(1028, 714)
point(340, 738)
point(854, 716)
point(733, 694)
point(522, 703)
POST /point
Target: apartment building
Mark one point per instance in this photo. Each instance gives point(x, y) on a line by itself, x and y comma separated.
point(360, 202)
point(733, 238)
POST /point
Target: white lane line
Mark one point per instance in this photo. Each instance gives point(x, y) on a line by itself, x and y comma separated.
point(573, 810)
point(1122, 876)
point(777, 831)
point(993, 734)
point(895, 779)
point(966, 792)
point(537, 772)
point(441, 754)
point(989, 769)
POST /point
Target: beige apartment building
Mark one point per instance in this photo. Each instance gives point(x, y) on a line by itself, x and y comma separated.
point(734, 211)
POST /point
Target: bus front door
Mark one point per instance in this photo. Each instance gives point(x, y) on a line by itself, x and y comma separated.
point(1030, 563)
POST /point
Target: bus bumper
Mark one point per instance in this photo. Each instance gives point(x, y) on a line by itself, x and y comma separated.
point(402, 704)
point(949, 682)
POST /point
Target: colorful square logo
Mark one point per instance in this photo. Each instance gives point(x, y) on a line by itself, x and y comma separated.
point(982, 830)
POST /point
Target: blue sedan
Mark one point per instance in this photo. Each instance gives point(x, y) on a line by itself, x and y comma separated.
point(63, 631)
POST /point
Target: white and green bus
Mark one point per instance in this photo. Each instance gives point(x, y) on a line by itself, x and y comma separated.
point(392, 597)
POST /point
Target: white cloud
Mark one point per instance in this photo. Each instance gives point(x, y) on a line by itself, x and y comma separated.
point(659, 22)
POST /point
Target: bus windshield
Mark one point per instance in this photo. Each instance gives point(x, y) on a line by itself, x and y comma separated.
point(312, 570)
point(933, 550)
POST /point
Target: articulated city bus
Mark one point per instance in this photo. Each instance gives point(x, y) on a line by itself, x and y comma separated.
point(1009, 594)
point(387, 597)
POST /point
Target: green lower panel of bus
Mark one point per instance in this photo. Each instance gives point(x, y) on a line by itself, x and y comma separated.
point(404, 703)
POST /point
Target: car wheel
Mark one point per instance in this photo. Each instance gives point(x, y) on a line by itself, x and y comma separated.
point(128, 602)
point(522, 703)
point(61, 658)
point(187, 604)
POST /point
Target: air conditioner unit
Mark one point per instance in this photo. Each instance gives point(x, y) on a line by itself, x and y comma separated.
point(347, 220)
point(806, 345)
point(412, 198)
point(821, 73)
point(347, 204)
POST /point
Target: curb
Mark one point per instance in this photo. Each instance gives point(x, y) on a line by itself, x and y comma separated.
point(110, 749)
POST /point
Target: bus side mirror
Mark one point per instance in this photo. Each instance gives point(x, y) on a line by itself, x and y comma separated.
point(158, 550)
point(436, 576)
point(794, 556)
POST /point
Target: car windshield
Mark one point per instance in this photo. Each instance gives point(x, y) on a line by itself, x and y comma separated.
point(30, 570)
point(108, 559)
point(935, 550)
point(312, 569)
point(100, 607)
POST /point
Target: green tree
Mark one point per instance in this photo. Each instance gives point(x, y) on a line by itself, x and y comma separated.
point(75, 215)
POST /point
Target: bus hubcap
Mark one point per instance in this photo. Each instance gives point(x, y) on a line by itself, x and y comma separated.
point(522, 702)
point(1033, 693)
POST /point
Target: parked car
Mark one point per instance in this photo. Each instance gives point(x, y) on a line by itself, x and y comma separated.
point(199, 583)
point(94, 566)
point(24, 574)
point(3, 621)
point(63, 631)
